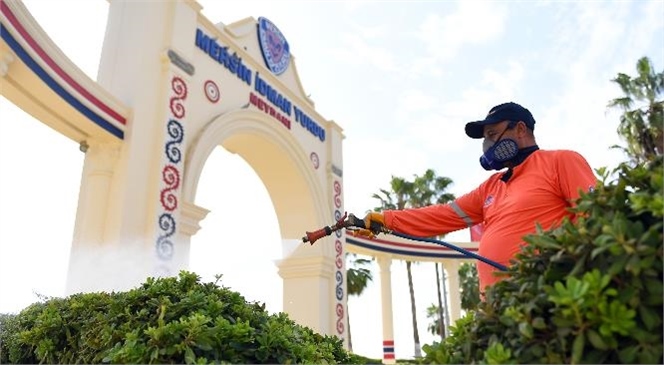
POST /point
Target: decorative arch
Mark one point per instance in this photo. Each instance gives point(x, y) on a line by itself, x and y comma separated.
point(272, 152)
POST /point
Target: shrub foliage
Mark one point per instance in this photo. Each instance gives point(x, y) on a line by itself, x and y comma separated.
point(589, 291)
point(165, 320)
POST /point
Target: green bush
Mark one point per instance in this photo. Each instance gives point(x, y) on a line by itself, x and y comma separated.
point(587, 292)
point(166, 320)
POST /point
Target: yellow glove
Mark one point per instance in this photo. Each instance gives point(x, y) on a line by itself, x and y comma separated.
point(374, 221)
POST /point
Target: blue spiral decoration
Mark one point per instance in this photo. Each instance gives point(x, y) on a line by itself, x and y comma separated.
point(176, 132)
point(337, 216)
point(162, 271)
point(340, 289)
point(165, 246)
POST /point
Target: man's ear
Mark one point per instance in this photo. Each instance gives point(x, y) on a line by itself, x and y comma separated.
point(522, 129)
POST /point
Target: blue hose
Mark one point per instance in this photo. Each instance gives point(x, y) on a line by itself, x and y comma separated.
point(451, 246)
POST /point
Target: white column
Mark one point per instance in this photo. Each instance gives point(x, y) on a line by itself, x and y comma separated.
point(452, 267)
point(308, 291)
point(384, 264)
point(335, 185)
point(89, 265)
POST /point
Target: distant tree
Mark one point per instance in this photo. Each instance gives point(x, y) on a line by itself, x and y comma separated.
point(642, 121)
point(470, 286)
point(357, 279)
point(441, 310)
point(397, 198)
point(424, 190)
point(431, 189)
point(433, 313)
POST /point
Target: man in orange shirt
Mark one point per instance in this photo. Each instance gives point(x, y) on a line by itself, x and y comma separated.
point(537, 188)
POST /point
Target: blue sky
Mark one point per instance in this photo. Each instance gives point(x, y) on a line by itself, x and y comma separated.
point(400, 77)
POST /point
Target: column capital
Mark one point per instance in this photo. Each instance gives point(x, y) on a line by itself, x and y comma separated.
point(100, 156)
point(191, 216)
point(384, 263)
point(6, 58)
point(298, 267)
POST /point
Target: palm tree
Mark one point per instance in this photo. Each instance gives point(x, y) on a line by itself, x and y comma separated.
point(422, 191)
point(642, 122)
point(433, 312)
point(396, 199)
point(431, 189)
point(441, 315)
point(357, 279)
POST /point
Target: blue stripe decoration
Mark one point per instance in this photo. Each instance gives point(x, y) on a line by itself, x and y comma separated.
point(405, 252)
point(64, 94)
point(388, 349)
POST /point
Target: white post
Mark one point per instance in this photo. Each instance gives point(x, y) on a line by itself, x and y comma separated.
point(455, 290)
point(384, 264)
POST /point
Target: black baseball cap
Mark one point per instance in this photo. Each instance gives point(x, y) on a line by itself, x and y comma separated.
point(507, 111)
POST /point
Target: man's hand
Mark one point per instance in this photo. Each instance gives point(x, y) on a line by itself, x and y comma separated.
point(374, 221)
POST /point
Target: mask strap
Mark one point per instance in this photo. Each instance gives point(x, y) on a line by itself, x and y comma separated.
point(510, 125)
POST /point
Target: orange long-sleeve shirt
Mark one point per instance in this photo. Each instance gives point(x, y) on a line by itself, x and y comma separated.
point(539, 191)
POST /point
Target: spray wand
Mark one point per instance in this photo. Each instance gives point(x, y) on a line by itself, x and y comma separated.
point(351, 222)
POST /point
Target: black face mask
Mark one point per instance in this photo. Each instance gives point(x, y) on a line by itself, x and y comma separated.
point(496, 154)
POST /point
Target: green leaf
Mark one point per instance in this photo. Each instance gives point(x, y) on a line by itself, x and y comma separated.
point(526, 330)
point(596, 340)
point(538, 323)
point(577, 348)
point(189, 356)
point(597, 251)
point(650, 318)
point(628, 354)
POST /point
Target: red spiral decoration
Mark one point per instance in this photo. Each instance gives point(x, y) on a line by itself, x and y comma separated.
point(340, 319)
point(180, 88)
point(337, 194)
point(171, 177)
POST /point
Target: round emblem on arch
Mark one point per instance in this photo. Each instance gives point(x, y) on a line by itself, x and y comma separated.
point(211, 91)
point(315, 160)
point(274, 46)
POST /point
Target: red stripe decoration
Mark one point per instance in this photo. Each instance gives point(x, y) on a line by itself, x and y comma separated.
point(49, 61)
point(388, 349)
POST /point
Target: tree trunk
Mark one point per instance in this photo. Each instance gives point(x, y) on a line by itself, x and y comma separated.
point(441, 323)
point(350, 341)
point(416, 335)
point(447, 309)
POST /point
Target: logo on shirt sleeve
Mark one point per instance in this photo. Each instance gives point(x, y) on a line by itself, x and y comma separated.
point(488, 201)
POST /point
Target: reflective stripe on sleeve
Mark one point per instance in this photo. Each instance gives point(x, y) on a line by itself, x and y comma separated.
point(461, 214)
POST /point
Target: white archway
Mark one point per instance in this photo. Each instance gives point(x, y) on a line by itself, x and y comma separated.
point(147, 125)
point(276, 157)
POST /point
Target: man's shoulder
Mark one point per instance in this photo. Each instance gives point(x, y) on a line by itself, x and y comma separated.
point(559, 154)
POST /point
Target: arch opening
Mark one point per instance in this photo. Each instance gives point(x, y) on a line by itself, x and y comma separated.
point(261, 194)
point(239, 238)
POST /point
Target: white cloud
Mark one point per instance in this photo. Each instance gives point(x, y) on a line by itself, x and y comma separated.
point(474, 22)
point(413, 101)
point(356, 51)
point(601, 41)
point(505, 84)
